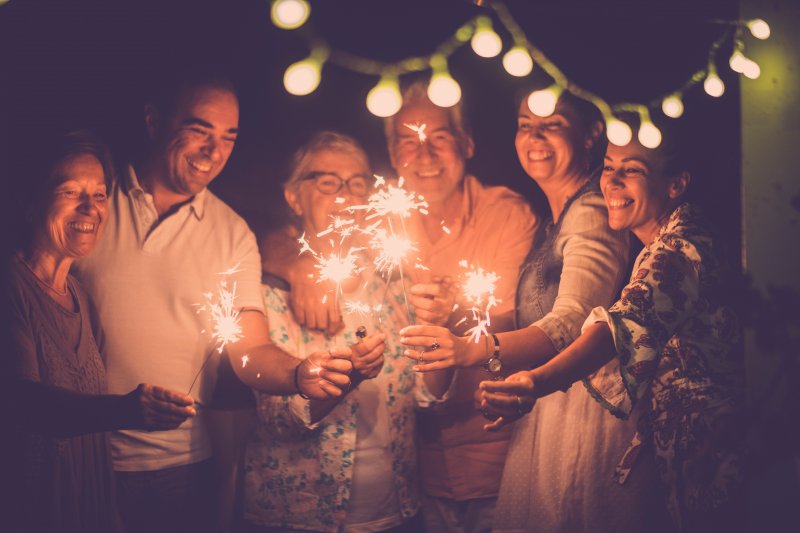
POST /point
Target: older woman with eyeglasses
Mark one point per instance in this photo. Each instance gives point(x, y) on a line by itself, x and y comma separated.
point(349, 463)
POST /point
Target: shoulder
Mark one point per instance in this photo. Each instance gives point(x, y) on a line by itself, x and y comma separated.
point(587, 212)
point(225, 220)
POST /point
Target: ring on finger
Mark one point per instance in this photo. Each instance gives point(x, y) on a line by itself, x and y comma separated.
point(435, 345)
point(520, 409)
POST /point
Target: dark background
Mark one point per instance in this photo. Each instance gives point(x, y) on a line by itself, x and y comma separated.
point(67, 64)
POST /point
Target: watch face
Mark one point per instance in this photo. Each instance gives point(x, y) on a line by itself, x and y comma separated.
point(494, 365)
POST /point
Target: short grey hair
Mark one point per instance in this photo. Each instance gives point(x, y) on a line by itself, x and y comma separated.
point(417, 92)
point(321, 141)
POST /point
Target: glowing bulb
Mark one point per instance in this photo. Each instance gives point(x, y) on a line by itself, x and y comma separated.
point(543, 103)
point(649, 136)
point(384, 100)
point(713, 85)
point(289, 14)
point(672, 106)
point(443, 90)
point(303, 77)
point(618, 132)
point(518, 62)
point(759, 28)
point(486, 43)
point(751, 69)
point(738, 62)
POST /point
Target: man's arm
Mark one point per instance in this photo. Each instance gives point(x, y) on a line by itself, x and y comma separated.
point(281, 257)
point(261, 365)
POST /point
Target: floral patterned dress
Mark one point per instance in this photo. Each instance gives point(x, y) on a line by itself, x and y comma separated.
point(299, 474)
point(675, 342)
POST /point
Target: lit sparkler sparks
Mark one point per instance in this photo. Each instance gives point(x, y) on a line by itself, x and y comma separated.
point(245, 360)
point(391, 250)
point(224, 314)
point(419, 129)
point(392, 200)
point(478, 289)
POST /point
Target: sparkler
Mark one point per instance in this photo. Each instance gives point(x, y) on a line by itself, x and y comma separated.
point(478, 289)
point(419, 129)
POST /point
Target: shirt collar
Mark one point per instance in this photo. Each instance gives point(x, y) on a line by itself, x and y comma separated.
point(134, 188)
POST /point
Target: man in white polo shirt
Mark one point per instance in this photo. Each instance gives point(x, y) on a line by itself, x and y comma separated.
point(168, 243)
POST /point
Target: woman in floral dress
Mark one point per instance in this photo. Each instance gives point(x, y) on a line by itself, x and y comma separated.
point(673, 342)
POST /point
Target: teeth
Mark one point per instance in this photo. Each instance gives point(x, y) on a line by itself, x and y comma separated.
point(619, 203)
point(199, 165)
point(83, 227)
point(539, 155)
point(429, 173)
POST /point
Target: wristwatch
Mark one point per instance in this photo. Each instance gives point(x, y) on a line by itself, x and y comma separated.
point(494, 365)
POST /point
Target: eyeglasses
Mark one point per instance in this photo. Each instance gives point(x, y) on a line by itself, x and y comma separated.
point(331, 183)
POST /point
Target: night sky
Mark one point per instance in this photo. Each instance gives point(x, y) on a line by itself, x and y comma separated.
point(68, 64)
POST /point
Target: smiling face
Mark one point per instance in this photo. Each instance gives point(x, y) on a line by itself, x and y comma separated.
point(637, 192)
point(325, 168)
point(433, 165)
point(75, 211)
point(194, 142)
point(552, 148)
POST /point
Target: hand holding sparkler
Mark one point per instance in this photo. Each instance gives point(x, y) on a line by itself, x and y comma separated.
point(510, 399)
point(433, 302)
point(437, 348)
point(368, 358)
point(155, 408)
point(324, 375)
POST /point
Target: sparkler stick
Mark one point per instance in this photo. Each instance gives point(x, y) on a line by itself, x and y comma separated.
point(479, 286)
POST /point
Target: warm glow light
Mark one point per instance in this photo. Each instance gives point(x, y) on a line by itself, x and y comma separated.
point(759, 28)
point(384, 100)
point(672, 106)
point(303, 77)
point(485, 42)
point(443, 90)
point(738, 61)
point(289, 14)
point(518, 62)
point(618, 132)
point(649, 136)
point(751, 69)
point(543, 103)
point(713, 85)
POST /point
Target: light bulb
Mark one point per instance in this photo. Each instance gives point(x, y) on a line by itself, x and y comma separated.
point(759, 28)
point(518, 62)
point(737, 61)
point(672, 106)
point(289, 14)
point(751, 69)
point(713, 85)
point(443, 90)
point(543, 103)
point(303, 77)
point(485, 42)
point(384, 100)
point(649, 136)
point(618, 132)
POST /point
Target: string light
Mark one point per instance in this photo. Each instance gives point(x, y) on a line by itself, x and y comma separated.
point(672, 106)
point(289, 14)
point(384, 100)
point(303, 77)
point(543, 103)
point(618, 132)
point(649, 135)
point(485, 42)
point(759, 28)
point(737, 61)
point(443, 90)
point(518, 62)
point(713, 85)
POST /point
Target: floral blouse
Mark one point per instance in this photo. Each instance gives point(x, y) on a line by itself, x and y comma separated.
point(298, 474)
point(675, 345)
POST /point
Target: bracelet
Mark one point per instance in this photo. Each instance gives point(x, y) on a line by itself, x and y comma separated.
point(297, 382)
point(496, 346)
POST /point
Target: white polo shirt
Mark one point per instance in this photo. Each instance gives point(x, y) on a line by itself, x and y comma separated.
point(148, 281)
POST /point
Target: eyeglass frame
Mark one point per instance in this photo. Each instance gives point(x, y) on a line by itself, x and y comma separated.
point(315, 175)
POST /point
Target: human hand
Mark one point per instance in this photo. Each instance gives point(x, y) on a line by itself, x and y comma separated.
point(368, 358)
point(433, 302)
point(312, 303)
point(325, 375)
point(155, 408)
point(509, 400)
point(436, 348)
